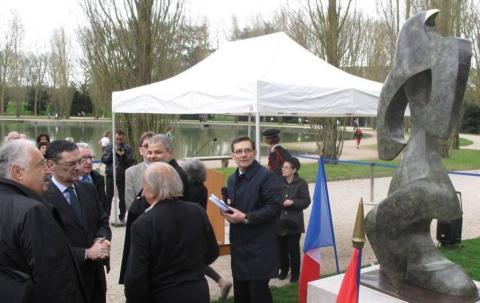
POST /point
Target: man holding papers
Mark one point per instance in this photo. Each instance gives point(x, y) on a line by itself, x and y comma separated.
point(254, 197)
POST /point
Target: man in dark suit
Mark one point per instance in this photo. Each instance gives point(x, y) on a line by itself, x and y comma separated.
point(255, 196)
point(87, 174)
point(31, 240)
point(160, 149)
point(84, 222)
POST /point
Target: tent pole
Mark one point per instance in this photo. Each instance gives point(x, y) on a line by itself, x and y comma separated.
point(114, 166)
point(257, 134)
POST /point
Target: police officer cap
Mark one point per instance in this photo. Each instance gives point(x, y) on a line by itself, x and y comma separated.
point(271, 133)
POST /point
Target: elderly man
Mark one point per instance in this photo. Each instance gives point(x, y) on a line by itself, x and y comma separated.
point(87, 174)
point(255, 197)
point(160, 149)
point(32, 242)
point(84, 222)
point(133, 174)
point(162, 267)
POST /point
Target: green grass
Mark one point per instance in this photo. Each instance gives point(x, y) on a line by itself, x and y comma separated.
point(465, 142)
point(467, 256)
point(465, 159)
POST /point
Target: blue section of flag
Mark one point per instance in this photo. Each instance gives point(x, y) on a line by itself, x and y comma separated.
point(320, 229)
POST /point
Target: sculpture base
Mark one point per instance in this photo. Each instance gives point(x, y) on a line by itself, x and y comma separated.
point(376, 280)
point(325, 291)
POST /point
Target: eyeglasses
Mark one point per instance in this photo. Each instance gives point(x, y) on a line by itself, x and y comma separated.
point(72, 163)
point(91, 158)
point(247, 151)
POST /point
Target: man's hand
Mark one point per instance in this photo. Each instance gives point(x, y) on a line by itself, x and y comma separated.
point(236, 217)
point(288, 203)
point(99, 250)
point(120, 151)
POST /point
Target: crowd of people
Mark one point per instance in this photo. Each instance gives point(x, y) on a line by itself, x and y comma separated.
point(55, 220)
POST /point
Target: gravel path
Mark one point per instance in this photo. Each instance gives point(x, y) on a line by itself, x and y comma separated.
point(344, 196)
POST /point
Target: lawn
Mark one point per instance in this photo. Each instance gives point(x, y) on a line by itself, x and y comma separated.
point(464, 159)
point(467, 256)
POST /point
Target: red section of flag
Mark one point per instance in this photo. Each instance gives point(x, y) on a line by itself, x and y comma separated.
point(310, 271)
point(349, 290)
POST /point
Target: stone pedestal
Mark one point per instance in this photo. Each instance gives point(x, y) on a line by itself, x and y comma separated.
point(325, 290)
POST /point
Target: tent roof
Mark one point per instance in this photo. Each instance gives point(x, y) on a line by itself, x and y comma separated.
point(271, 74)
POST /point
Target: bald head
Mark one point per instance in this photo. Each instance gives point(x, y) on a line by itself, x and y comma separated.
point(160, 182)
point(13, 135)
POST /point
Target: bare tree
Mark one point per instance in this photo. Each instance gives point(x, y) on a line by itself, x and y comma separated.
point(36, 76)
point(470, 28)
point(135, 42)
point(60, 68)
point(10, 59)
point(333, 31)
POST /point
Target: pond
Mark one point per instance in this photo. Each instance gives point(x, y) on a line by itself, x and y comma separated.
point(189, 139)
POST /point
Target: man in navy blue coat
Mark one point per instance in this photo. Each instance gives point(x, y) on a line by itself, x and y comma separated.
point(254, 196)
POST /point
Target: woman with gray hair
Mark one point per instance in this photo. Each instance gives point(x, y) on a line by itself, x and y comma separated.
point(197, 175)
point(161, 266)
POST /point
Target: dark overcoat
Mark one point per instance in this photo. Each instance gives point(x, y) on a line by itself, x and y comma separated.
point(171, 244)
point(137, 209)
point(82, 234)
point(99, 182)
point(298, 192)
point(254, 250)
point(32, 242)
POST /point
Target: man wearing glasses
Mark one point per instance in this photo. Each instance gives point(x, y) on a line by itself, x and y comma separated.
point(254, 196)
point(133, 174)
point(82, 219)
point(87, 174)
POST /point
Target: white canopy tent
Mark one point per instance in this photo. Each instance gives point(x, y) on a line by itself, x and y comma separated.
point(268, 75)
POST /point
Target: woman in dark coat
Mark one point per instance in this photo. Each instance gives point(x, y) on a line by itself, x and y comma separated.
point(197, 175)
point(170, 244)
point(291, 225)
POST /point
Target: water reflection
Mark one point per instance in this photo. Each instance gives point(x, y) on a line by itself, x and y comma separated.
point(188, 139)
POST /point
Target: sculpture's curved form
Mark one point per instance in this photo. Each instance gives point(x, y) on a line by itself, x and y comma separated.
point(430, 75)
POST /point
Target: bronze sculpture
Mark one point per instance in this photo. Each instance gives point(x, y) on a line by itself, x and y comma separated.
point(430, 75)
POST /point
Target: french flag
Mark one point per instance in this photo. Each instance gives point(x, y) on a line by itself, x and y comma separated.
point(349, 290)
point(319, 234)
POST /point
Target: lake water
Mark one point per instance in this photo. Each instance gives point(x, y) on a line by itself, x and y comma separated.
point(189, 139)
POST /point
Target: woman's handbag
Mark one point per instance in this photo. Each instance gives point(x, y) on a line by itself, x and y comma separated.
point(290, 219)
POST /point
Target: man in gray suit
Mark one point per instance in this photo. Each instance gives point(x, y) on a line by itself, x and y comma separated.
point(133, 174)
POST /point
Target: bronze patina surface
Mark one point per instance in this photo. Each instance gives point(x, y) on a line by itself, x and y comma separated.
point(430, 75)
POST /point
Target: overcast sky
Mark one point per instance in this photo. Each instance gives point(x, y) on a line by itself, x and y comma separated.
point(41, 17)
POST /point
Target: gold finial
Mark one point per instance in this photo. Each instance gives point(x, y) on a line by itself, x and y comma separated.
point(358, 238)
